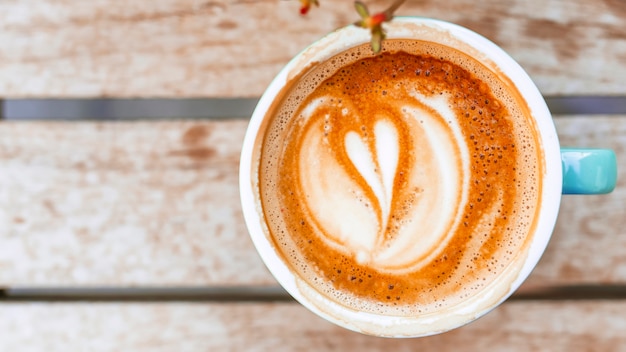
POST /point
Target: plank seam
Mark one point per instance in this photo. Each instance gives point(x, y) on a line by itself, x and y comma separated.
point(224, 108)
point(262, 294)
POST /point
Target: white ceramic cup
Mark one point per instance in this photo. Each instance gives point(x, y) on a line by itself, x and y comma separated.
point(491, 296)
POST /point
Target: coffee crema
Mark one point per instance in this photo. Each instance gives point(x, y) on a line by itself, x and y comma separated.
point(401, 183)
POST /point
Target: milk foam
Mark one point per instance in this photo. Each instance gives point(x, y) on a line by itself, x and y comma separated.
point(378, 172)
point(349, 220)
point(399, 192)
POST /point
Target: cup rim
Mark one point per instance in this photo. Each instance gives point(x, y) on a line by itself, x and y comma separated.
point(414, 28)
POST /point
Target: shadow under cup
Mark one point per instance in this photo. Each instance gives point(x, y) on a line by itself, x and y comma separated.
point(326, 299)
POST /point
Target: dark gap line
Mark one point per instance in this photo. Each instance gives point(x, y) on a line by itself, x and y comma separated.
point(586, 105)
point(112, 294)
point(262, 294)
point(226, 108)
point(573, 292)
point(128, 109)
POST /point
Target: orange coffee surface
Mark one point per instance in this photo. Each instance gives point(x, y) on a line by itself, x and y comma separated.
point(401, 183)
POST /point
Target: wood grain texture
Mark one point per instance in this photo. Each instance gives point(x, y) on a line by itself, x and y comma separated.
point(157, 203)
point(228, 48)
point(133, 203)
point(527, 326)
point(591, 230)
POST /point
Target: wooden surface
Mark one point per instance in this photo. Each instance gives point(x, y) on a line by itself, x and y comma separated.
point(225, 48)
point(156, 203)
point(517, 326)
point(125, 203)
point(106, 227)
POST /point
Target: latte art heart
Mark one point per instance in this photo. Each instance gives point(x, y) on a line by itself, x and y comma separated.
point(366, 203)
point(378, 172)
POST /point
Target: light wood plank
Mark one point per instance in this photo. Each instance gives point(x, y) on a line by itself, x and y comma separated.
point(226, 48)
point(519, 326)
point(590, 230)
point(157, 203)
point(123, 203)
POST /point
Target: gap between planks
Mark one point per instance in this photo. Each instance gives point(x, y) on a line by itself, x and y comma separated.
point(220, 108)
point(263, 294)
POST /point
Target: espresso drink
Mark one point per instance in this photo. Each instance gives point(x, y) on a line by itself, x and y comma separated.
point(401, 183)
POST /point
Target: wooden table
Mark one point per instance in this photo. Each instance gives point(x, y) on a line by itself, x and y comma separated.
point(128, 235)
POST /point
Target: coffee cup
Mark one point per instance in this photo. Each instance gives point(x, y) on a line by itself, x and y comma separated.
point(410, 192)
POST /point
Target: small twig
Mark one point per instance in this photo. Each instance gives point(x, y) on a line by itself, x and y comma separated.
point(374, 22)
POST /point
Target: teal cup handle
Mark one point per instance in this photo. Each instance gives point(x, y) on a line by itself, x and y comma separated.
point(588, 171)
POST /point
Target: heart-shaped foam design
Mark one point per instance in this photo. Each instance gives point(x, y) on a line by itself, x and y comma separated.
point(377, 167)
point(388, 188)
